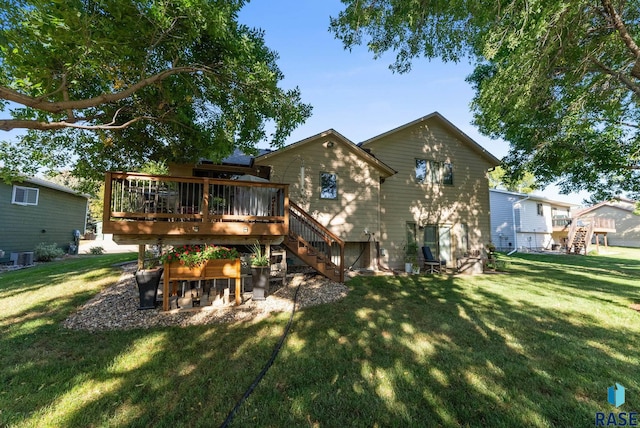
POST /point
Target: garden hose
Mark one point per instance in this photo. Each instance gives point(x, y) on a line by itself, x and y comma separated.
point(266, 367)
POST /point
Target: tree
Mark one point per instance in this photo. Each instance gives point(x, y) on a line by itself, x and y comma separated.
point(111, 84)
point(558, 80)
point(499, 180)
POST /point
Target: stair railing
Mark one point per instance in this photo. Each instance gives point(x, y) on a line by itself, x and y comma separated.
point(317, 238)
point(571, 236)
point(588, 237)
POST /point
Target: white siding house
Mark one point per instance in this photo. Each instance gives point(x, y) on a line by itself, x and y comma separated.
point(531, 222)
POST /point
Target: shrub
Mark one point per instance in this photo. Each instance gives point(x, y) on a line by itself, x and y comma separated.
point(47, 252)
point(96, 251)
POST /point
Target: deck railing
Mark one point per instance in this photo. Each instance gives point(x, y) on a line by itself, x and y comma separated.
point(598, 223)
point(560, 222)
point(206, 204)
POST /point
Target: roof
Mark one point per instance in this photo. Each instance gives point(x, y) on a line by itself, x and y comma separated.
point(450, 126)
point(368, 157)
point(621, 204)
point(243, 159)
point(532, 197)
point(51, 185)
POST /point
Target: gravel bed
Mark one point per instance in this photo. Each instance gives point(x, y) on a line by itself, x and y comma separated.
point(116, 308)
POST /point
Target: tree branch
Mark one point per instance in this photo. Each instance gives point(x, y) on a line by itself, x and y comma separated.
point(9, 124)
point(624, 34)
point(635, 88)
point(61, 106)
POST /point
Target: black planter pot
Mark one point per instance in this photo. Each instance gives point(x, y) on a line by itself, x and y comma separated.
point(260, 280)
point(148, 280)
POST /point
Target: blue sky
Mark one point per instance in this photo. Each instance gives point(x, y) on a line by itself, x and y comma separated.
point(355, 94)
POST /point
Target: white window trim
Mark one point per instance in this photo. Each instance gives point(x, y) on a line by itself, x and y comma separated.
point(26, 189)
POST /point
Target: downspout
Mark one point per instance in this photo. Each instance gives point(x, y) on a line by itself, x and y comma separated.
point(513, 219)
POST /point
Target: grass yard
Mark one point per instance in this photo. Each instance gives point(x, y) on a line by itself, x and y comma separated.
point(536, 347)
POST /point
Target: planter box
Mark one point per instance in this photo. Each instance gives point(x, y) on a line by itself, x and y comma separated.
point(212, 269)
point(178, 272)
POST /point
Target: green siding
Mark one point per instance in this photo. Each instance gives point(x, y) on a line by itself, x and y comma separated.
point(51, 221)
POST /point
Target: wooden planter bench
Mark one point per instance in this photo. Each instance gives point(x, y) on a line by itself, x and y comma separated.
point(212, 269)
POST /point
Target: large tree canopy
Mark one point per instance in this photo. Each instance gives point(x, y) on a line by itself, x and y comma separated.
point(559, 80)
point(112, 83)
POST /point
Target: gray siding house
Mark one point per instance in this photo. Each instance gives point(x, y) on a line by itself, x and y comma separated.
point(37, 211)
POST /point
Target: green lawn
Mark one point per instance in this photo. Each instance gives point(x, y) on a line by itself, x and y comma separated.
point(538, 346)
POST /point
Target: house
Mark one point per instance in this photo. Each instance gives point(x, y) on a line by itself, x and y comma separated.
point(534, 223)
point(627, 222)
point(440, 195)
point(37, 211)
point(332, 203)
point(525, 221)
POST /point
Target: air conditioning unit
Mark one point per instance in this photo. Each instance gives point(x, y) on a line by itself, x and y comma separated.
point(26, 258)
point(22, 259)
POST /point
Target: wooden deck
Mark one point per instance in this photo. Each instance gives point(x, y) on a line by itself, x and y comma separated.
point(141, 208)
point(600, 225)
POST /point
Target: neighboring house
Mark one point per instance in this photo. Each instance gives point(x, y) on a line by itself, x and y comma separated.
point(331, 202)
point(627, 224)
point(37, 211)
point(526, 221)
point(424, 181)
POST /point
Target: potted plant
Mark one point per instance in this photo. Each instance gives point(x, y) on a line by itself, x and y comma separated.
point(260, 271)
point(148, 279)
point(410, 256)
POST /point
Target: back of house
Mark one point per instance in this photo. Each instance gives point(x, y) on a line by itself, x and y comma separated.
point(440, 195)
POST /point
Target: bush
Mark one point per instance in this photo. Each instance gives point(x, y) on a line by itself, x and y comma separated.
point(47, 252)
point(96, 251)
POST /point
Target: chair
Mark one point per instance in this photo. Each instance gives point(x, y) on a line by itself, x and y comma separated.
point(431, 263)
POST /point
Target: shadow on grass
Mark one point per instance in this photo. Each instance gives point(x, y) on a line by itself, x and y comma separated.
point(536, 347)
point(454, 351)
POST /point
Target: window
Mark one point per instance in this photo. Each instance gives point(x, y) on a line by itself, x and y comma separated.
point(540, 212)
point(430, 238)
point(421, 170)
point(25, 195)
point(411, 232)
point(447, 173)
point(328, 186)
point(464, 238)
point(429, 171)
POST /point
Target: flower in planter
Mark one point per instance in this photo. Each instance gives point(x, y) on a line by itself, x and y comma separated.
point(195, 255)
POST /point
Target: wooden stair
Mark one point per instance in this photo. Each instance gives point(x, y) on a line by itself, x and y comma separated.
point(314, 244)
point(579, 238)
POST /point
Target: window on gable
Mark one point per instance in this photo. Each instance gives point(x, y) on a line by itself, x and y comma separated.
point(421, 170)
point(447, 173)
point(429, 171)
point(328, 186)
point(25, 195)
